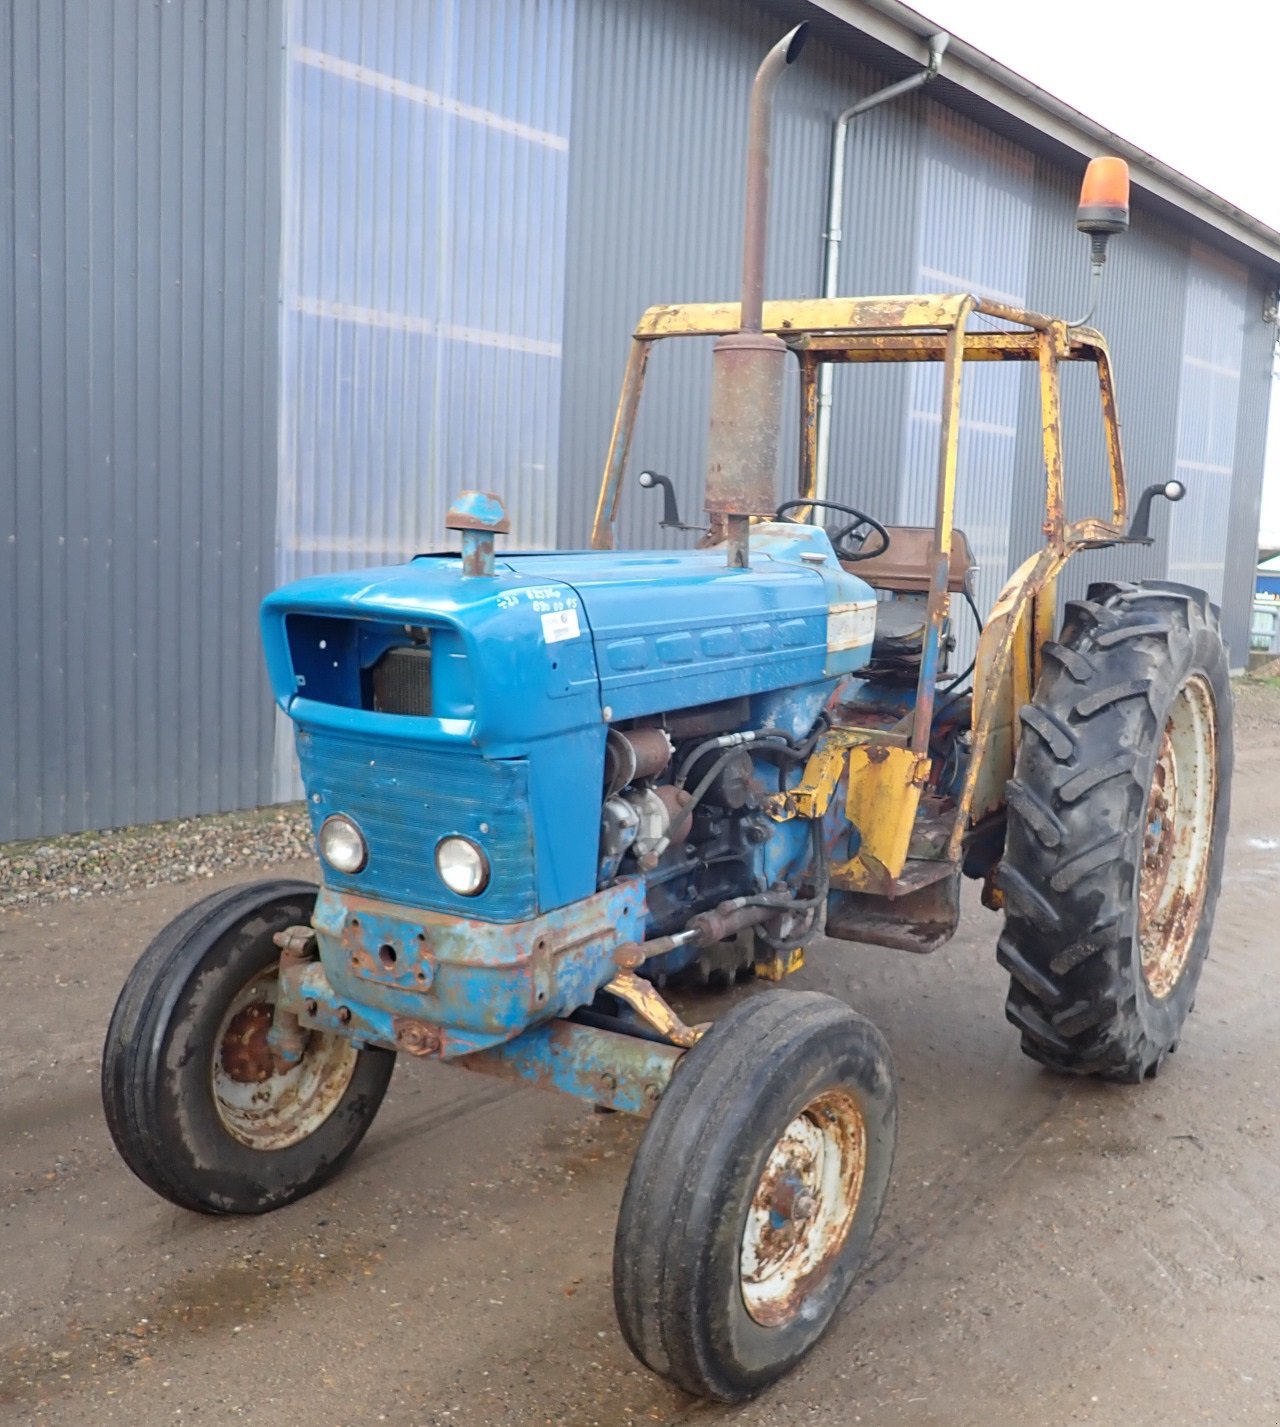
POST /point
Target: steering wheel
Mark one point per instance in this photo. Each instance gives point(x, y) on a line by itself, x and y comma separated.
point(839, 541)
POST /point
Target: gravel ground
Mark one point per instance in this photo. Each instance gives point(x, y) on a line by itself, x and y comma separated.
point(1257, 702)
point(88, 864)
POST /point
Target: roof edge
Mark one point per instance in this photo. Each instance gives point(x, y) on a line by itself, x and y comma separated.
point(905, 30)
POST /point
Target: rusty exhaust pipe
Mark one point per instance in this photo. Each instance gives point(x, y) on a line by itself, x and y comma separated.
point(747, 365)
point(759, 159)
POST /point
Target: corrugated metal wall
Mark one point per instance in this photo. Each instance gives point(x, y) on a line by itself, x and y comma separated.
point(1259, 399)
point(655, 196)
point(975, 207)
point(138, 216)
point(481, 196)
point(1213, 330)
point(1140, 309)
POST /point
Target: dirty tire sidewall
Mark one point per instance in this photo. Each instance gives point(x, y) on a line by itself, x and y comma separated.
point(677, 1255)
point(1077, 809)
point(156, 1082)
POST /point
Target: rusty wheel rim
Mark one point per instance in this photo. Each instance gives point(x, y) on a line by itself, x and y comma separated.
point(803, 1207)
point(1178, 838)
point(256, 1103)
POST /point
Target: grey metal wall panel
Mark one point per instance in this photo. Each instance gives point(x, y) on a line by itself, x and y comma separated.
point(1208, 412)
point(869, 425)
point(425, 183)
point(655, 195)
point(1259, 398)
point(975, 214)
point(139, 209)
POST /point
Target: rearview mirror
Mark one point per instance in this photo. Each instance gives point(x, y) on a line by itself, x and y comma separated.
point(1140, 526)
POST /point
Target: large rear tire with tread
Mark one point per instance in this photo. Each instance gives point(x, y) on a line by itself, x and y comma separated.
point(1117, 824)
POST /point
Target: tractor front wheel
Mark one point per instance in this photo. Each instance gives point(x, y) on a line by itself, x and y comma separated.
point(1117, 825)
point(194, 1100)
point(755, 1193)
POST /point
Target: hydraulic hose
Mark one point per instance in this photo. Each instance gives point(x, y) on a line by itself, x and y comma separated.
point(728, 741)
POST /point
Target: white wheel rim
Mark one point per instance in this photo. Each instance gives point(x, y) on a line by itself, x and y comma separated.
point(1178, 837)
point(803, 1207)
point(257, 1104)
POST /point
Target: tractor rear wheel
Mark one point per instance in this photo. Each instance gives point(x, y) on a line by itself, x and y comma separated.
point(1117, 824)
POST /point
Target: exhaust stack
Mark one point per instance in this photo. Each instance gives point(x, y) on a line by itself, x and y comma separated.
point(747, 365)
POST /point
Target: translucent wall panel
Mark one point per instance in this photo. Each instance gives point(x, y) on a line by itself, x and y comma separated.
point(426, 182)
point(1208, 407)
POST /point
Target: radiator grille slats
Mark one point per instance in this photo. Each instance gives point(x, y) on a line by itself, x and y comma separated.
point(406, 797)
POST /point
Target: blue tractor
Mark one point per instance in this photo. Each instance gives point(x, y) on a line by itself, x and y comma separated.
point(545, 787)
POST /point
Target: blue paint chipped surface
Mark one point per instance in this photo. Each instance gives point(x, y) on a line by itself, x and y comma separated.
point(482, 507)
point(481, 983)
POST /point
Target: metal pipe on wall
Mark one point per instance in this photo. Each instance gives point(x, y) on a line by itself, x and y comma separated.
point(834, 236)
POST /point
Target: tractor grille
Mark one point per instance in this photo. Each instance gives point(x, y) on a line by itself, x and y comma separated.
point(406, 797)
point(401, 682)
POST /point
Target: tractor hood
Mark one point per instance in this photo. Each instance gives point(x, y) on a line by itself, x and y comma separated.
point(428, 702)
point(554, 640)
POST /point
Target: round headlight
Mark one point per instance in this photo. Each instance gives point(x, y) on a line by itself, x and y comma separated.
point(342, 844)
point(463, 868)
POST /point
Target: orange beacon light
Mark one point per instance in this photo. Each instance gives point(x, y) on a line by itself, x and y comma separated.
point(1103, 212)
point(1104, 197)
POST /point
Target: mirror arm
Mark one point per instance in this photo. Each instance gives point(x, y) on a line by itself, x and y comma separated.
point(1140, 526)
point(670, 510)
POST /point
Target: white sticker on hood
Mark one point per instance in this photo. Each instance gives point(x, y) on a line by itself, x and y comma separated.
point(849, 626)
point(560, 624)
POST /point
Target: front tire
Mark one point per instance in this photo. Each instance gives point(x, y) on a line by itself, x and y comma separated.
point(1117, 826)
point(194, 1103)
point(755, 1193)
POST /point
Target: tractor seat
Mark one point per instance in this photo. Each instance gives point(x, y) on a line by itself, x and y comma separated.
point(900, 624)
point(904, 566)
point(897, 646)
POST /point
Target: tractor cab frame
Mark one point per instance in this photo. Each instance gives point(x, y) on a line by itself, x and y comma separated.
point(891, 763)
